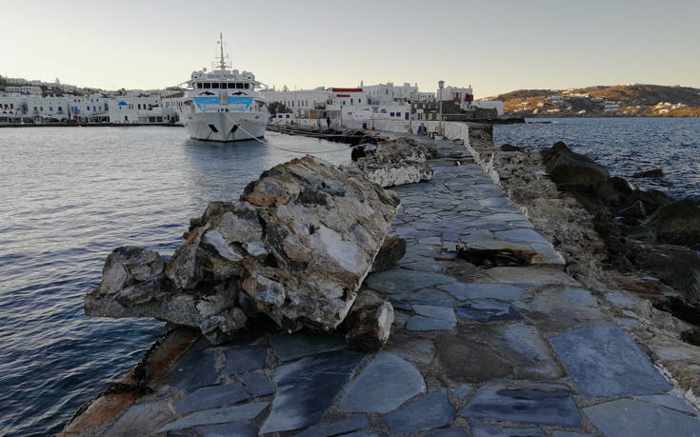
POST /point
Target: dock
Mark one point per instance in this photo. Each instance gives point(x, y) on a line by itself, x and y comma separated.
point(502, 349)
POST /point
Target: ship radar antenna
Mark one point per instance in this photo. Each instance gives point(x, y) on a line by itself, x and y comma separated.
point(222, 59)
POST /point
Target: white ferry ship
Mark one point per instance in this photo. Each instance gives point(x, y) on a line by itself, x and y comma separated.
point(223, 104)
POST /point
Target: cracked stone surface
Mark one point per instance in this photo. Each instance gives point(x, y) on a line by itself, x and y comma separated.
point(605, 362)
point(474, 351)
point(383, 385)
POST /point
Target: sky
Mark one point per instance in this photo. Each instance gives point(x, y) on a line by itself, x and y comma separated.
point(494, 46)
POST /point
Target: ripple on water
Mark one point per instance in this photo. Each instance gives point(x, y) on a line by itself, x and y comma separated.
point(625, 146)
point(71, 195)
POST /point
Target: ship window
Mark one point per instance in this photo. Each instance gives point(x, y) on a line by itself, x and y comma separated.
point(239, 86)
point(206, 85)
point(215, 85)
point(199, 85)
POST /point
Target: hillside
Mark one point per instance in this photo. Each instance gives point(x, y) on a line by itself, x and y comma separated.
point(617, 100)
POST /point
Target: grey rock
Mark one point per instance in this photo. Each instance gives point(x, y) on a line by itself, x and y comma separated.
point(674, 402)
point(462, 391)
point(233, 429)
point(291, 347)
point(416, 350)
point(239, 413)
point(383, 385)
point(324, 226)
point(473, 290)
point(480, 429)
point(369, 322)
point(393, 249)
point(401, 280)
point(256, 383)
point(449, 432)
point(396, 162)
point(633, 418)
point(570, 434)
point(142, 418)
point(563, 307)
point(429, 411)
point(211, 397)
point(242, 359)
point(196, 369)
point(420, 323)
point(435, 312)
point(603, 361)
point(487, 310)
point(306, 388)
point(337, 427)
point(545, 404)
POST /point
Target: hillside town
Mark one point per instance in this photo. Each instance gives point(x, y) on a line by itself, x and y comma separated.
point(35, 102)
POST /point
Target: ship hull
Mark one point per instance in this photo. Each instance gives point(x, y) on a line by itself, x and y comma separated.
point(226, 127)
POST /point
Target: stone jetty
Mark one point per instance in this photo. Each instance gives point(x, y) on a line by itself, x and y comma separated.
point(491, 337)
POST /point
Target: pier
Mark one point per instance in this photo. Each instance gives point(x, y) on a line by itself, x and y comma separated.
point(509, 347)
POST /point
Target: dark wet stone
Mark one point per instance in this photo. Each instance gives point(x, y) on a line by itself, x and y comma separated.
point(462, 391)
point(570, 434)
point(420, 323)
point(291, 347)
point(429, 411)
point(361, 434)
point(546, 404)
point(435, 312)
point(383, 385)
point(142, 418)
point(428, 296)
point(603, 361)
point(307, 387)
point(233, 429)
point(449, 432)
point(242, 359)
point(215, 396)
point(487, 310)
point(337, 427)
point(670, 401)
point(521, 235)
point(257, 383)
point(401, 280)
point(479, 353)
point(633, 418)
point(473, 290)
point(238, 413)
point(488, 430)
point(416, 350)
point(197, 369)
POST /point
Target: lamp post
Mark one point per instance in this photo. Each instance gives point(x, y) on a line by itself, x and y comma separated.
point(441, 88)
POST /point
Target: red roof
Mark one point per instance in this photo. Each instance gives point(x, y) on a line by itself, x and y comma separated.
point(346, 90)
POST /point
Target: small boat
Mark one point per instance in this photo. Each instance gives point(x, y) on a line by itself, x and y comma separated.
point(223, 104)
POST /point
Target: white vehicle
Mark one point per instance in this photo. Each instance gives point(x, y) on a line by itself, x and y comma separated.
point(223, 104)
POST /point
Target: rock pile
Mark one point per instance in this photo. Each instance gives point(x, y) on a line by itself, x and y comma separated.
point(296, 248)
point(394, 163)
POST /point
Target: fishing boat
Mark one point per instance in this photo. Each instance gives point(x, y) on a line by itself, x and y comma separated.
point(223, 104)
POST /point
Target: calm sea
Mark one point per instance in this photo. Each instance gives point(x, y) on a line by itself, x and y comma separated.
point(624, 145)
point(68, 196)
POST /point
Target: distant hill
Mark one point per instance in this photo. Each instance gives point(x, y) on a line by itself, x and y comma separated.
point(616, 100)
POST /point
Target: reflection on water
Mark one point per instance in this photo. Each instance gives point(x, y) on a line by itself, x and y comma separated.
point(68, 196)
point(624, 145)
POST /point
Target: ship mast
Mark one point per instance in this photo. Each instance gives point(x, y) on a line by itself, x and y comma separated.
point(222, 61)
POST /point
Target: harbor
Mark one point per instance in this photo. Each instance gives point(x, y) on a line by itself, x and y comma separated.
point(349, 219)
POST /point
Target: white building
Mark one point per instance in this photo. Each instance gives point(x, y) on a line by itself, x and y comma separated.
point(388, 92)
point(454, 94)
point(136, 109)
point(490, 104)
point(301, 100)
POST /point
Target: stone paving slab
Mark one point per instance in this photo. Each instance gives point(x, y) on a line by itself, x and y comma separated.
point(475, 351)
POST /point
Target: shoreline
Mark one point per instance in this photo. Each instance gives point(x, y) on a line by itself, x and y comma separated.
point(562, 217)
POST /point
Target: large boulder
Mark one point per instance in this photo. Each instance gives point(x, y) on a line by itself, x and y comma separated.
point(572, 171)
point(296, 248)
point(678, 223)
point(394, 163)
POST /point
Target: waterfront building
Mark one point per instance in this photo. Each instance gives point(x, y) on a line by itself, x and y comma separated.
point(388, 92)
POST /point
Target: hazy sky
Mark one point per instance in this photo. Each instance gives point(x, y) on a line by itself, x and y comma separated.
point(496, 46)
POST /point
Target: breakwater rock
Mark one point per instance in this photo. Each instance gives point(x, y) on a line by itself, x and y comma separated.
point(393, 163)
point(295, 248)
